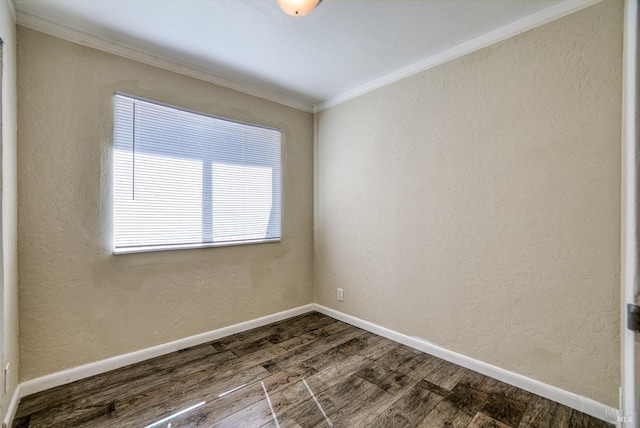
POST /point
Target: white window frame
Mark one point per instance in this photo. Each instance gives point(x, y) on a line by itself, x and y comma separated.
point(207, 163)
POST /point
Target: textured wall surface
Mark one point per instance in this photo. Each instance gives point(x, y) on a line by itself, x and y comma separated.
point(9, 202)
point(78, 302)
point(476, 204)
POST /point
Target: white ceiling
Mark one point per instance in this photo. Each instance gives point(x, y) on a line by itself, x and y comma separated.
point(340, 47)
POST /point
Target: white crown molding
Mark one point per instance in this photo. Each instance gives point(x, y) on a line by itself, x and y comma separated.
point(582, 404)
point(85, 39)
point(73, 374)
point(532, 21)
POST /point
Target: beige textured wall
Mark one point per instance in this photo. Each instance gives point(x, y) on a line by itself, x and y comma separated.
point(476, 204)
point(9, 201)
point(79, 303)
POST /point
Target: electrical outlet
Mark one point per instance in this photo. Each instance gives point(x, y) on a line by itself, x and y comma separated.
point(340, 294)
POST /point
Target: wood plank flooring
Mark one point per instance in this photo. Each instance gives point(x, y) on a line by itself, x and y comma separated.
point(306, 371)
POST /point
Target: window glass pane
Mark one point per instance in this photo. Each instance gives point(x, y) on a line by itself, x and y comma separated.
point(183, 178)
point(242, 201)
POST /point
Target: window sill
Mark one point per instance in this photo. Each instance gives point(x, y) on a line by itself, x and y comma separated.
point(154, 248)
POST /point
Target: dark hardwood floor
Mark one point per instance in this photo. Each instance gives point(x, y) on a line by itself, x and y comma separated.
point(310, 370)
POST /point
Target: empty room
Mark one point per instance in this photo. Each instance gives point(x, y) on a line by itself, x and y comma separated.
point(297, 213)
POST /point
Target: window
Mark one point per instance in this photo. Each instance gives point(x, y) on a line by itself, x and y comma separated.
point(188, 180)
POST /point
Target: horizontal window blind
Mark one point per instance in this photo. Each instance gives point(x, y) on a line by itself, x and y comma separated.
point(184, 179)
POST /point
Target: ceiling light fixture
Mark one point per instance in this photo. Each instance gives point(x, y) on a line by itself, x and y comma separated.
point(298, 7)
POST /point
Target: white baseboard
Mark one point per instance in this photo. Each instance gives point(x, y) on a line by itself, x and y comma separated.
point(583, 404)
point(13, 406)
point(42, 383)
point(569, 399)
